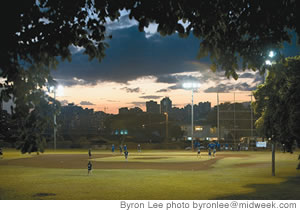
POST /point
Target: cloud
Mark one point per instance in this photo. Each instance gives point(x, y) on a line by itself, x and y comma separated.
point(75, 49)
point(162, 90)
point(86, 103)
point(131, 55)
point(138, 103)
point(258, 78)
point(75, 81)
point(131, 90)
point(150, 97)
point(123, 23)
point(112, 101)
point(175, 87)
point(225, 88)
point(247, 75)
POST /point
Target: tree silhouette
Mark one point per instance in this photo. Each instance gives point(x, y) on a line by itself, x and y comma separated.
point(277, 103)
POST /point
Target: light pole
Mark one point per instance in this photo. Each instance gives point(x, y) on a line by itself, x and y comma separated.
point(192, 86)
point(269, 63)
point(57, 90)
point(167, 130)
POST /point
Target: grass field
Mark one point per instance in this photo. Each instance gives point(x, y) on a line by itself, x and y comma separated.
point(148, 175)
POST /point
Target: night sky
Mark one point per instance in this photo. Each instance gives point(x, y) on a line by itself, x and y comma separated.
point(140, 66)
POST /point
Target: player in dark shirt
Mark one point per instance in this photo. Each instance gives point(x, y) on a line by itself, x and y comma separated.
point(199, 152)
point(90, 153)
point(1, 153)
point(126, 155)
point(90, 167)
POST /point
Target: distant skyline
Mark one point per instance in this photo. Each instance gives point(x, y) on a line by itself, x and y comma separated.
point(143, 66)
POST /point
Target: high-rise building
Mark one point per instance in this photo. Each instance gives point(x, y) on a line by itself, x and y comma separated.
point(165, 105)
point(152, 107)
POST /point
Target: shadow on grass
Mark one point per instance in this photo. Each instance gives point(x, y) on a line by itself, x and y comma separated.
point(288, 190)
point(43, 194)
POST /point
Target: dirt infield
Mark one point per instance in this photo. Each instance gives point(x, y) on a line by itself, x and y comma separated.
point(79, 161)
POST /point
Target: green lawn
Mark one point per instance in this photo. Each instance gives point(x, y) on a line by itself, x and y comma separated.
point(229, 178)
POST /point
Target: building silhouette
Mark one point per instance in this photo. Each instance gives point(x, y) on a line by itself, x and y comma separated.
point(152, 107)
point(165, 105)
point(123, 110)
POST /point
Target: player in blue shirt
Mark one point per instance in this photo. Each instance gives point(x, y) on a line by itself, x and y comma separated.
point(125, 147)
point(209, 150)
point(113, 148)
point(90, 167)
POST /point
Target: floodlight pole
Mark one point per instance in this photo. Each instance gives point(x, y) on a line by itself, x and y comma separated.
point(273, 157)
point(167, 130)
point(54, 121)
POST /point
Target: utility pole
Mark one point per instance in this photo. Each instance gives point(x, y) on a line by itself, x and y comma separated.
point(192, 112)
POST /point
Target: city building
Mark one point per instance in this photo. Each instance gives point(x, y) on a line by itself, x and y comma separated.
point(152, 107)
point(204, 107)
point(135, 110)
point(165, 105)
point(123, 110)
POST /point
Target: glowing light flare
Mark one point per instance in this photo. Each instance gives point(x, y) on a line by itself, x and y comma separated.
point(191, 85)
point(268, 62)
point(59, 90)
point(271, 54)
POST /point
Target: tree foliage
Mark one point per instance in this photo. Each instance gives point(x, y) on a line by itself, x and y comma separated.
point(277, 104)
point(37, 33)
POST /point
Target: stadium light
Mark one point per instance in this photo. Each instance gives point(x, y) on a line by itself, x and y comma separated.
point(268, 62)
point(57, 91)
point(271, 54)
point(192, 86)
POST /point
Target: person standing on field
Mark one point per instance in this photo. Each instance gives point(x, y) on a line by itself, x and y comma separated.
point(199, 152)
point(90, 153)
point(120, 148)
point(214, 151)
point(113, 148)
point(126, 155)
point(1, 153)
point(139, 148)
point(90, 167)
